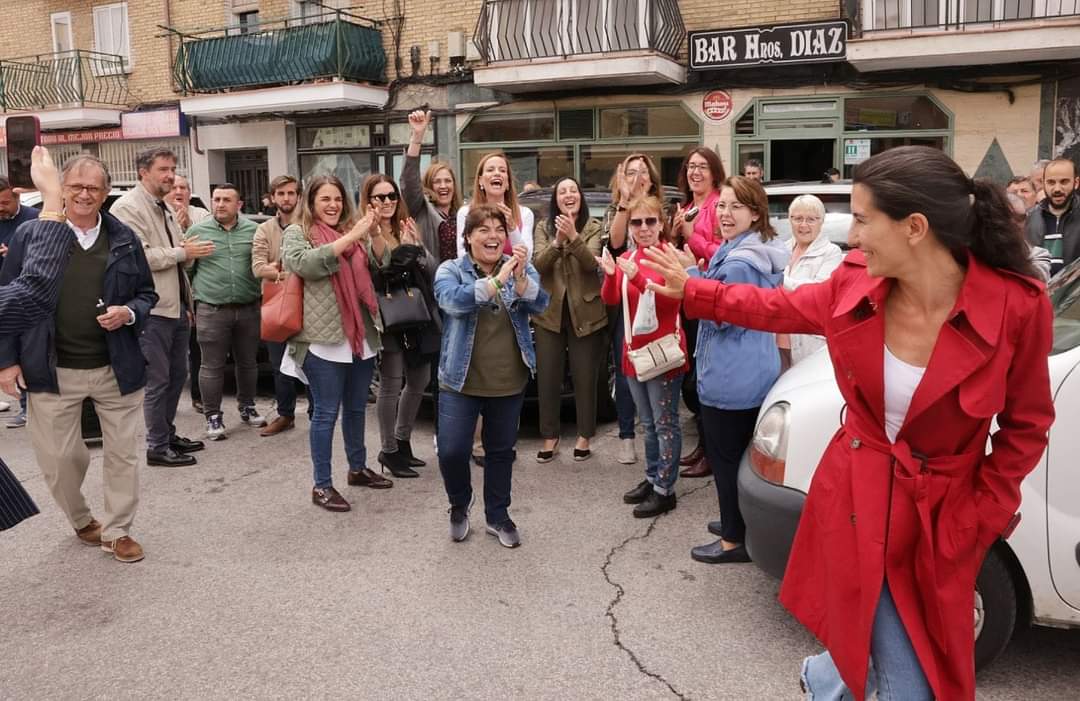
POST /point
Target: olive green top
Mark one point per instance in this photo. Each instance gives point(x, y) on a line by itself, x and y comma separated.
point(496, 368)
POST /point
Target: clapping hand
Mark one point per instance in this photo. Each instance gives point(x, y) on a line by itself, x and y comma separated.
point(564, 228)
point(196, 248)
point(629, 267)
point(664, 260)
point(409, 233)
point(606, 262)
point(521, 256)
point(361, 230)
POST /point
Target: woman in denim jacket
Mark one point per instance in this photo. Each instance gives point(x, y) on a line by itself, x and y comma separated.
point(486, 298)
point(736, 366)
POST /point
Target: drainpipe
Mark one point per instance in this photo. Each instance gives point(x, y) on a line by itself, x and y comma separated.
point(193, 131)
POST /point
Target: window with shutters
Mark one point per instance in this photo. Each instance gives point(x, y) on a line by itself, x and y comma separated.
point(111, 36)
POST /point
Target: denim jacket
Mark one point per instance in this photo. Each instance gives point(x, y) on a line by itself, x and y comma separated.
point(736, 366)
point(461, 298)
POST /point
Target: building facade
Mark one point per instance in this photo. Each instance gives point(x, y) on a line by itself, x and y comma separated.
point(244, 90)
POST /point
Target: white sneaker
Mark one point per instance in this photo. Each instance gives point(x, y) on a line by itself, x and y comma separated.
point(4, 406)
point(627, 452)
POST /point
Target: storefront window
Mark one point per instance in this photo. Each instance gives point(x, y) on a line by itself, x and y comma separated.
point(650, 121)
point(350, 168)
point(879, 144)
point(498, 128)
point(599, 163)
point(401, 132)
point(349, 136)
point(903, 113)
point(748, 152)
point(541, 165)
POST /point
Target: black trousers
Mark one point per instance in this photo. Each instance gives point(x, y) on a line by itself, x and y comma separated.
point(727, 434)
point(15, 504)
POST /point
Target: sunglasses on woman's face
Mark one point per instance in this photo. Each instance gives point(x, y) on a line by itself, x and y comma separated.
point(647, 221)
point(388, 197)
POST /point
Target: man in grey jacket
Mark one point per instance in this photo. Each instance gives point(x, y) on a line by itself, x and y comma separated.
point(1055, 223)
point(164, 341)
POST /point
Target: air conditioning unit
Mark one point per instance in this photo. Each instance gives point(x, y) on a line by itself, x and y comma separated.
point(455, 45)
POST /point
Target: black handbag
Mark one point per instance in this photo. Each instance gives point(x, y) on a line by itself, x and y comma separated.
point(401, 303)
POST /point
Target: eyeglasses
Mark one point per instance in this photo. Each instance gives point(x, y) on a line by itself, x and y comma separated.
point(696, 166)
point(92, 190)
point(647, 221)
point(388, 197)
point(805, 220)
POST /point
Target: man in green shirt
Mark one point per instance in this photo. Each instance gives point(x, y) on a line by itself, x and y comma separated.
point(227, 309)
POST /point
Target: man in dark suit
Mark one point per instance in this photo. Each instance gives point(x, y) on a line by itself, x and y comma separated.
point(29, 297)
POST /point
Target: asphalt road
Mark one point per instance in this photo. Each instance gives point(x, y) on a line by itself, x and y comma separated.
point(248, 591)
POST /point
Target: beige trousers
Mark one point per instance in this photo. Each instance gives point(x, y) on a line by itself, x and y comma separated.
point(55, 427)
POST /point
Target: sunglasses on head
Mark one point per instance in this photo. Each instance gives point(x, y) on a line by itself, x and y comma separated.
point(388, 197)
point(647, 221)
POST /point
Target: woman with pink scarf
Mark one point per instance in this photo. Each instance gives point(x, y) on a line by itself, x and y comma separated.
point(335, 352)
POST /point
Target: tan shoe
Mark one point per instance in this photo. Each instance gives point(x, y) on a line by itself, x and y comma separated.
point(281, 423)
point(124, 549)
point(90, 534)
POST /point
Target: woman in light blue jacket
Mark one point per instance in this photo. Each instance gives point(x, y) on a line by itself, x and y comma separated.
point(486, 298)
point(736, 366)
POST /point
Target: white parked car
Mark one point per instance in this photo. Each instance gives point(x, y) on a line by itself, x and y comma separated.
point(1033, 577)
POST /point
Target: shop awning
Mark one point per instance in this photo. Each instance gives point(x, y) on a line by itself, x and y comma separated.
point(73, 117)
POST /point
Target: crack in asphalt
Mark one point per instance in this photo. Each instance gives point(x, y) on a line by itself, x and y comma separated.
point(620, 592)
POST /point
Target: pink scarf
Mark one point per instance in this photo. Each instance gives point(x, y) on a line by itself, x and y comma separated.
point(352, 285)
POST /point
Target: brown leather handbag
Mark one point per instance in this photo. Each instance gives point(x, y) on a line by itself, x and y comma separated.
point(282, 309)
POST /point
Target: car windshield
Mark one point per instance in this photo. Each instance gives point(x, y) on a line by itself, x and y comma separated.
point(1064, 291)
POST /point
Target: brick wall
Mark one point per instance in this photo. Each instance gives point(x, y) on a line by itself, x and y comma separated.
point(423, 21)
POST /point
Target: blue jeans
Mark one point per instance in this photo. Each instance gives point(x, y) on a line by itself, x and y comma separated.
point(624, 401)
point(336, 386)
point(285, 386)
point(457, 421)
point(657, 403)
point(894, 671)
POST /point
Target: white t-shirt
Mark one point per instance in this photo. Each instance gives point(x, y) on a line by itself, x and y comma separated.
point(521, 235)
point(331, 352)
point(901, 380)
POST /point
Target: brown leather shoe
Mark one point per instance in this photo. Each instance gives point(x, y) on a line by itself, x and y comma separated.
point(329, 499)
point(281, 423)
point(699, 469)
point(367, 478)
point(124, 549)
point(695, 455)
point(90, 534)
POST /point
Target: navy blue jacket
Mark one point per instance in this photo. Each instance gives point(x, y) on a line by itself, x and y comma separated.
point(128, 282)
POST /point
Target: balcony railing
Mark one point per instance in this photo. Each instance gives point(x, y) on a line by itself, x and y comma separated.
point(514, 30)
point(336, 45)
point(65, 79)
point(887, 15)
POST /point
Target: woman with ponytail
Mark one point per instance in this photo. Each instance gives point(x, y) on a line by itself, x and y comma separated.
point(936, 325)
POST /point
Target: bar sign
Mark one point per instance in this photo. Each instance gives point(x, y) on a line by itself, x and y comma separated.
point(814, 42)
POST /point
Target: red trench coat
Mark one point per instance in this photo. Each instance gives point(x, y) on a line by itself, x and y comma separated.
point(924, 511)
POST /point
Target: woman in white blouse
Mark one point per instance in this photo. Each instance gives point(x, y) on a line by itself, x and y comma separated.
point(813, 259)
point(494, 185)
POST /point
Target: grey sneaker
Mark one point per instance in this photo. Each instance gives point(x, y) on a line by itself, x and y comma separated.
point(215, 427)
point(506, 532)
point(250, 415)
point(17, 421)
point(459, 521)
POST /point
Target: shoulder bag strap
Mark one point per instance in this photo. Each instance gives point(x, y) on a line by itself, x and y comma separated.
point(626, 311)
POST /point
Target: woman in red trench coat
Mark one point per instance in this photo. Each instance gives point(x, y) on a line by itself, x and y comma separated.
point(941, 282)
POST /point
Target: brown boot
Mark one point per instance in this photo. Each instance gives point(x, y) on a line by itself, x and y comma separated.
point(124, 549)
point(90, 534)
point(281, 423)
point(699, 469)
point(695, 455)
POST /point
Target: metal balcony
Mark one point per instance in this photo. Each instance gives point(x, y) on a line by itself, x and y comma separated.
point(68, 79)
point(336, 46)
point(890, 15)
point(515, 30)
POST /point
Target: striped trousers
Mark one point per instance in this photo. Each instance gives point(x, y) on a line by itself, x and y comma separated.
point(15, 504)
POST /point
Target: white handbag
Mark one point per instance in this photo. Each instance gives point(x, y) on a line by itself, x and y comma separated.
point(657, 357)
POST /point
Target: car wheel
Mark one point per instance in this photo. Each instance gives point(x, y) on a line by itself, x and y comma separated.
point(995, 609)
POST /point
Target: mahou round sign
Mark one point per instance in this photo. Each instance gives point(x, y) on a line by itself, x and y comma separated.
point(716, 105)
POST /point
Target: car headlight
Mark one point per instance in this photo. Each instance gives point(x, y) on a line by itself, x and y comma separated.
point(768, 449)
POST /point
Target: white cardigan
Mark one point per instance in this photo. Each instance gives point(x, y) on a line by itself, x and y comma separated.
point(821, 258)
point(524, 234)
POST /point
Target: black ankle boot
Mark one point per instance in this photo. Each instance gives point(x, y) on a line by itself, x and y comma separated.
point(398, 464)
point(405, 448)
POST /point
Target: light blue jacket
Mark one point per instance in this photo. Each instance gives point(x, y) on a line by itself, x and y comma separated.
point(461, 295)
point(737, 366)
